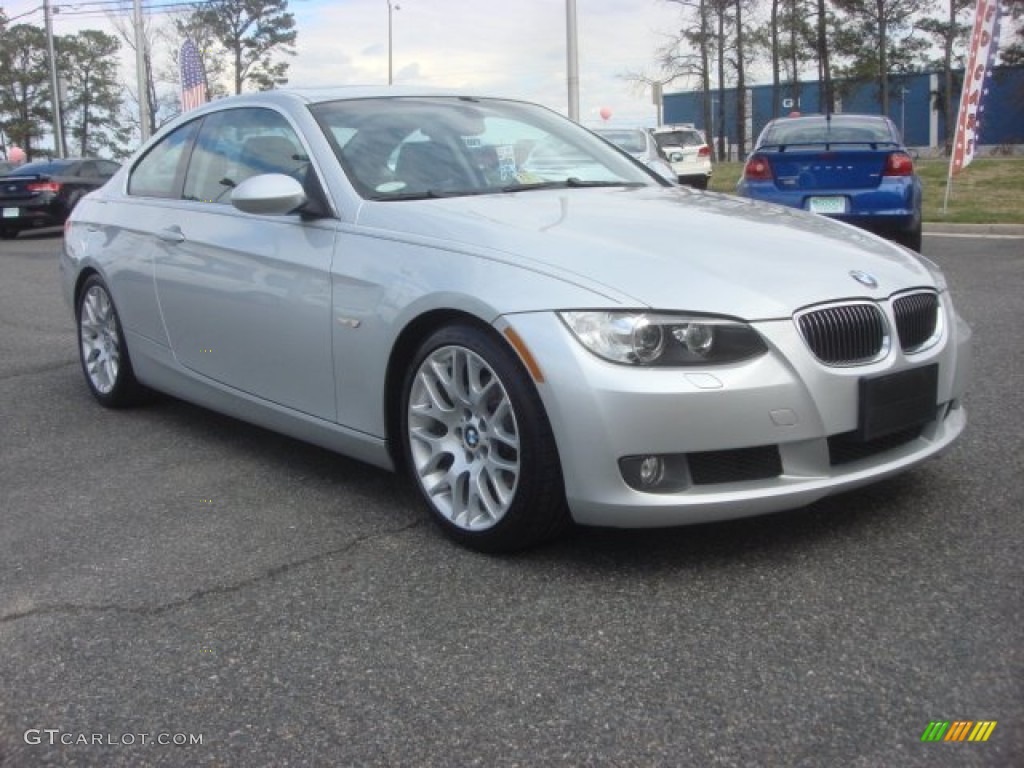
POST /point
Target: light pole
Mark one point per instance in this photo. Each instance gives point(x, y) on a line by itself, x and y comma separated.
point(572, 60)
point(903, 114)
point(58, 124)
point(392, 7)
point(141, 71)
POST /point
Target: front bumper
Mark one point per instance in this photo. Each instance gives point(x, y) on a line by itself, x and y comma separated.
point(784, 401)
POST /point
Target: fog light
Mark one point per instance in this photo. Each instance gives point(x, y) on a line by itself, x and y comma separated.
point(652, 470)
point(651, 473)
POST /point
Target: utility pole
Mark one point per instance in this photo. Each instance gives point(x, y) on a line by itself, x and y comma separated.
point(572, 63)
point(58, 131)
point(140, 67)
point(392, 7)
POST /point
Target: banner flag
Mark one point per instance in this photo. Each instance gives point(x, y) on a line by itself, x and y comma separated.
point(193, 77)
point(980, 61)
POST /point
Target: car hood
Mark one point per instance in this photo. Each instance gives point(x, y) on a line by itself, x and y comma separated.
point(665, 248)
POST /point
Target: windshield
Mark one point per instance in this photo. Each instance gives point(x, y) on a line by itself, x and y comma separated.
point(414, 147)
point(818, 130)
point(631, 141)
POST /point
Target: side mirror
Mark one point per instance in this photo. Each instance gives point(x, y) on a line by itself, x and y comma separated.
point(270, 194)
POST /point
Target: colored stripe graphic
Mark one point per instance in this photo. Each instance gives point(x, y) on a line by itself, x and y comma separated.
point(959, 730)
point(982, 730)
point(935, 730)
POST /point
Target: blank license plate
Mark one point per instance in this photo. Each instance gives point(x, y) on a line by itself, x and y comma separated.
point(10, 213)
point(898, 401)
point(826, 204)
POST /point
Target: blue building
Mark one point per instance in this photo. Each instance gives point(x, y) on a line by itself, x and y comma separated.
point(915, 105)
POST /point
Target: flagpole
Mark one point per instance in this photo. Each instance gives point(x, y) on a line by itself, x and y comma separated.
point(949, 185)
point(980, 59)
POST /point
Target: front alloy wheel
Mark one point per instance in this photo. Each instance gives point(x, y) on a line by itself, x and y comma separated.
point(478, 444)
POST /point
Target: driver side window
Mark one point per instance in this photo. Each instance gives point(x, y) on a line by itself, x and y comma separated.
point(236, 144)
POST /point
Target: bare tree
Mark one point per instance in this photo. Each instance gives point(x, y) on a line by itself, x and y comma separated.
point(160, 108)
point(687, 55)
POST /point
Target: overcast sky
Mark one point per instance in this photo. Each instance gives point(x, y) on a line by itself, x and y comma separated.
point(506, 47)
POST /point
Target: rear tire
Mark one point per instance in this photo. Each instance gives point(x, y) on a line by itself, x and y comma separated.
point(102, 349)
point(911, 238)
point(478, 445)
point(8, 234)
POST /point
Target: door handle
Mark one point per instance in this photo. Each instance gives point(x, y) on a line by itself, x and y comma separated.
point(171, 235)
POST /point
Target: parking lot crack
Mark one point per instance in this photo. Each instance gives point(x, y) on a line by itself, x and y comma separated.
point(33, 370)
point(73, 609)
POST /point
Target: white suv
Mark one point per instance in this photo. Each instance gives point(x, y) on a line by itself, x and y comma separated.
point(688, 153)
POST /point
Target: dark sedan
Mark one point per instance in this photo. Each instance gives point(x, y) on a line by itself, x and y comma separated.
point(42, 194)
point(854, 168)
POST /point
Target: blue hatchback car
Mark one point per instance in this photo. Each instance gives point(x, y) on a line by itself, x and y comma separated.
point(854, 168)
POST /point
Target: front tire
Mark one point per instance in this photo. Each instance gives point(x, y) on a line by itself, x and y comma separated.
point(102, 349)
point(478, 444)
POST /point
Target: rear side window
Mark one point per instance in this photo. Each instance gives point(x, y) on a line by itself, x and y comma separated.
point(158, 173)
point(107, 168)
point(631, 141)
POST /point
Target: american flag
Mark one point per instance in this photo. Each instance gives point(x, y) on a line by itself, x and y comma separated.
point(977, 76)
point(193, 78)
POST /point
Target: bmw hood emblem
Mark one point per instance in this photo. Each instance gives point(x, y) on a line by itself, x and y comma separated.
point(864, 278)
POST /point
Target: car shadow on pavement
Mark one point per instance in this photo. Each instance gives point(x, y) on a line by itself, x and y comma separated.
point(892, 505)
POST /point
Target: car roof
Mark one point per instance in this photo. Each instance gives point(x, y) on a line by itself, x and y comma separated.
point(292, 96)
point(835, 117)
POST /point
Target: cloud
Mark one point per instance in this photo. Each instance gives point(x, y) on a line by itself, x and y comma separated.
point(516, 49)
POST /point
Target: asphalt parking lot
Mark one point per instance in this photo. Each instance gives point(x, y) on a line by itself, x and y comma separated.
point(167, 573)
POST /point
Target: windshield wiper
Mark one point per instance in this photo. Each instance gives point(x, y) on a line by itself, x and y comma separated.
point(427, 194)
point(572, 181)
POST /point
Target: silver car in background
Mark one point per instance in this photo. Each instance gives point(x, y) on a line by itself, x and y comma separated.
point(640, 143)
point(386, 272)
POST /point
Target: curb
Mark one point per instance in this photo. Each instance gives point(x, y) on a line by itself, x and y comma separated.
point(974, 229)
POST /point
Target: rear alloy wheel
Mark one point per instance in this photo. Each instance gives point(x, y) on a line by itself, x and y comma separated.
point(102, 350)
point(478, 444)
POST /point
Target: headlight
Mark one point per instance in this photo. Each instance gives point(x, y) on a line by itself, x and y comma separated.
point(663, 339)
point(934, 269)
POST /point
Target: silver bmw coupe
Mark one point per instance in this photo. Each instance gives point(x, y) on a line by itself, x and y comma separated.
point(529, 322)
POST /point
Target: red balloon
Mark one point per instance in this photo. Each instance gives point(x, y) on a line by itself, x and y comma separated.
point(605, 113)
